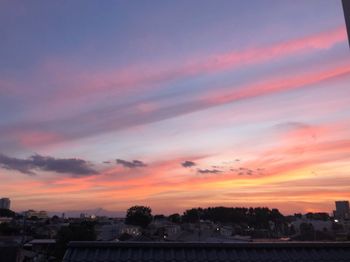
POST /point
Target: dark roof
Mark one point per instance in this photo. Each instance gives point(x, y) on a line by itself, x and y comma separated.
point(9, 252)
point(207, 252)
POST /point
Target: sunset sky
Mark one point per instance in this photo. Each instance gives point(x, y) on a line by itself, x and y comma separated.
point(174, 104)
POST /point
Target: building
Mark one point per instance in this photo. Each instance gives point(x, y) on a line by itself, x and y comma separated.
point(130, 230)
point(10, 252)
point(225, 231)
point(39, 214)
point(107, 232)
point(209, 252)
point(5, 203)
point(342, 210)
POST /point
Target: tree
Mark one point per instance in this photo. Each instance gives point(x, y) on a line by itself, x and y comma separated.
point(55, 219)
point(174, 218)
point(6, 213)
point(158, 217)
point(139, 216)
point(7, 229)
point(192, 215)
point(318, 216)
point(74, 232)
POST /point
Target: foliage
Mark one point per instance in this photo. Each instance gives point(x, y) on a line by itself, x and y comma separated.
point(6, 213)
point(7, 229)
point(139, 216)
point(74, 232)
point(192, 215)
point(258, 218)
point(158, 217)
point(175, 218)
point(318, 216)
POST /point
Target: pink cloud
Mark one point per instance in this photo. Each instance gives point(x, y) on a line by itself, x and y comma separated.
point(34, 138)
point(274, 85)
point(319, 41)
point(134, 78)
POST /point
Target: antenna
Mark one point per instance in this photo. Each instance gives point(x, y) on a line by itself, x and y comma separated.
point(346, 8)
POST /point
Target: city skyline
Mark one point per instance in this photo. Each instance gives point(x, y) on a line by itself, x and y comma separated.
point(112, 104)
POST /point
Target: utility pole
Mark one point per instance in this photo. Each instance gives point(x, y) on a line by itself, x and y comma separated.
point(346, 8)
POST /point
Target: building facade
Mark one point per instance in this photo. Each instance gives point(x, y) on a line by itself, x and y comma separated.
point(5, 203)
point(342, 210)
point(39, 214)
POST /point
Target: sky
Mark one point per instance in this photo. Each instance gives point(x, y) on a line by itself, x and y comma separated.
point(174, 104)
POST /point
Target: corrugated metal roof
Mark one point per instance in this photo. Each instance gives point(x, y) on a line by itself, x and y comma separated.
point(207, 252)
point(10, 252)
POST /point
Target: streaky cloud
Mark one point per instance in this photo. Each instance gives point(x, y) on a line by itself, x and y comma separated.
point(106, 119)
point(130, 79)
point(209, 171)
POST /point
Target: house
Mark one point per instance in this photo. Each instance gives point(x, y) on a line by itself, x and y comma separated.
point(225, 231)
point(319, 225)
point(130, 230)
point(10, 252)
point(107, 232)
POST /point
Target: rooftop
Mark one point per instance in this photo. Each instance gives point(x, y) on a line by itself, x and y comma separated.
point(170, 251)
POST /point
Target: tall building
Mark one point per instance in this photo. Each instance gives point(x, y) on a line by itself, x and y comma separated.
point(5, 203)
point(342, 210)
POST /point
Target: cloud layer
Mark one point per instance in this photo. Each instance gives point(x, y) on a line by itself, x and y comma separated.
point(73, 166)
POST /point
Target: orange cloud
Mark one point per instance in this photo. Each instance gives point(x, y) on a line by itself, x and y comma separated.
point(287, 174)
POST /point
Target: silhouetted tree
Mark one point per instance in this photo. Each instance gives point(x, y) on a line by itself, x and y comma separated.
point(55, 219)
point(318, 216)
point(6, 213)
point(74, 232)
point(259, 217)
point(139, 216)
point(298, 215)
point(174, 218)
point(7, 229)
point(192, 215)
point(158, 217)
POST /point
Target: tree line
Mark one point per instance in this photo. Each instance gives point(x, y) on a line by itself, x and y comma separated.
point(258, 217)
